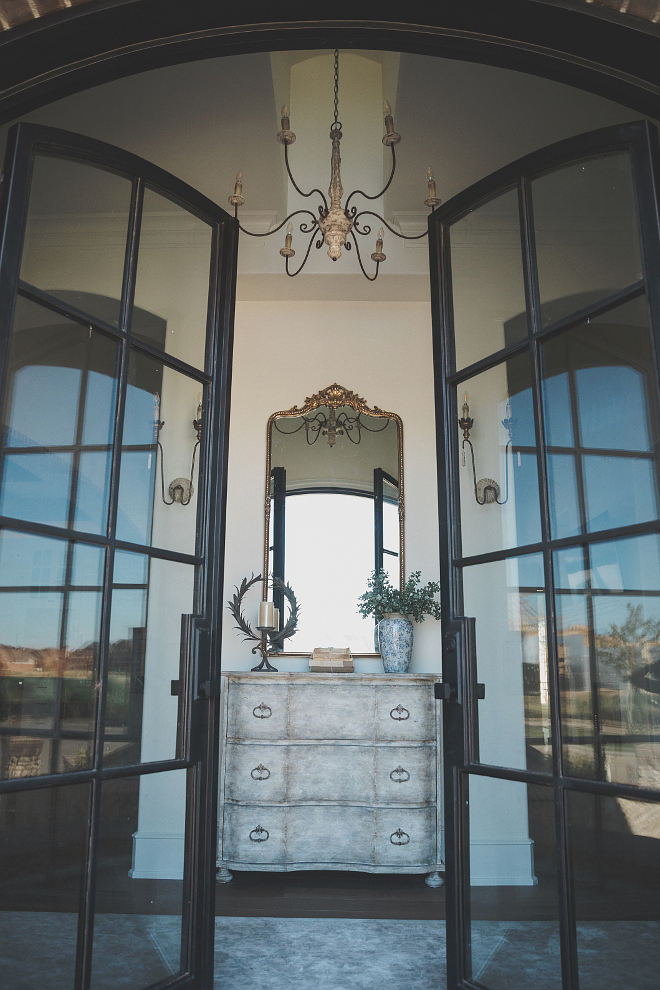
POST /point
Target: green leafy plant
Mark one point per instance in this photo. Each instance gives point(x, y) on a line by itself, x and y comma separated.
point(411, 600)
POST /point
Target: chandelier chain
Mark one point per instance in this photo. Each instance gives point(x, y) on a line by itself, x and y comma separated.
point(336, 124)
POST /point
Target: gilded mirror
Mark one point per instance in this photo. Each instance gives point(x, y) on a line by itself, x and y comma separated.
point(334, 512)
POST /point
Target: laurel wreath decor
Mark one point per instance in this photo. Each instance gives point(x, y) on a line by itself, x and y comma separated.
point(265, 640)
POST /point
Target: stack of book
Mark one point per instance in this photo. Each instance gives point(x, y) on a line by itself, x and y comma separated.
point(331, 660)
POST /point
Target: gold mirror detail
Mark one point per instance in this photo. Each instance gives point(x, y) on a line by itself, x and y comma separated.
point(333, 422)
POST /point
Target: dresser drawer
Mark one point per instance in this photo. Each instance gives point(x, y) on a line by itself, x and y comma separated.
point(330, 834)
point(254, 835)
point(331, 773)
point(405, 837)
point(405, 711)
point(257, 711)
point(326, 710)
point(405, 775)
point(256, 774)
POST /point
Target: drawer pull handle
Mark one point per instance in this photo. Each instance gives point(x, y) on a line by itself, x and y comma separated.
point(400, 717)
point(400, 776)
point(259, 834)
point(262, 711)
point(260, 773)
point(402, 838)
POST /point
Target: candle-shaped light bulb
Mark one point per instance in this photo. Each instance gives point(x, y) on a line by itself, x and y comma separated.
point(287, 251)
point(199, 406)
point(433, 196)
point(466, 408)
point(387, 109)
point(238, 187)
point(285, 118)
point(379, 241)
point(508, 407)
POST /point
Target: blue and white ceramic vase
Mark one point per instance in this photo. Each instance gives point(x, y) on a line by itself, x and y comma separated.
point(395, 636)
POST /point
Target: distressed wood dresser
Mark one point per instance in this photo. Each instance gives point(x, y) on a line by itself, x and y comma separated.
point(330, 772)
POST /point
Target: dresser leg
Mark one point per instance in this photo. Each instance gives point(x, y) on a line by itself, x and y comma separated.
point(434, 880)
point(223, 875)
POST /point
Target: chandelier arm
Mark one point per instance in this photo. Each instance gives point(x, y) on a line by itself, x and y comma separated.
point(288, 433)
point(404, 237)
point(370, 278)
point(309, 248)
point(363, 426)
point(358, 192)
point(295, 185)
point(279, 226)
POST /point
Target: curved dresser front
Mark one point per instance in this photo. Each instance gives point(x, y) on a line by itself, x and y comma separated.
point(329, 772)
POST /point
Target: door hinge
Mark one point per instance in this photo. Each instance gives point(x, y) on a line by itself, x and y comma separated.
point(481, 692)
point(175, 688)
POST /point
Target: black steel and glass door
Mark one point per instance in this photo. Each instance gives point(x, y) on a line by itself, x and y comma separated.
point(547, 326)
point(116, 307)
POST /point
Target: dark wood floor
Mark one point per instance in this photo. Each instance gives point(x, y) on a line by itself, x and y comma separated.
point(338, 894)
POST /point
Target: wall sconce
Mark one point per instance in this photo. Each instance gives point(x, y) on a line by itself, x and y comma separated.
point(486, 490)
point(181, 489)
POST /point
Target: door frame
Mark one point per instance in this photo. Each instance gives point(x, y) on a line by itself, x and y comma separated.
point(459, 691)
point(199, 705)
point(589, 46)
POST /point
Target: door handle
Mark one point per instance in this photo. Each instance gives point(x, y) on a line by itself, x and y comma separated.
point(443, 691)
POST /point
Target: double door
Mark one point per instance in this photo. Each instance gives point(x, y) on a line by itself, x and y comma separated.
point(116, 301)
point(547, 329)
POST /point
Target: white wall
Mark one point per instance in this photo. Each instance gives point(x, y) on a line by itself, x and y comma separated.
point(382, 350)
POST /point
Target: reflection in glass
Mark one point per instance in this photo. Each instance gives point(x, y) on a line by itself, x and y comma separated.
point(601, 422)
point(507, 457)
point(508, 601)
point(49, 636)
point(608, 611)
point(75, 238)
point(156, 393)
point(148, 600)
point(139, 892)
point(486, 252)
point(585, 226)
point(615, 861)
point(58, 421)
point(515, 934)
point(334, 498)
point(172, 282)
point(42, 871)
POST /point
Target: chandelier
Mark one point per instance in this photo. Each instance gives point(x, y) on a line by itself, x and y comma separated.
point(335, 224)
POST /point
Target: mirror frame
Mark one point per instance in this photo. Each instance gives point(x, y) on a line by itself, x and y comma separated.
point(334, 396)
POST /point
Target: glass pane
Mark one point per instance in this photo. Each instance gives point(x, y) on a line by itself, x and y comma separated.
point(608, 611)
point(515, 929)
point(145, 514)
point(585, 224)
point(75, 238)
point(49, 656)
point(615, 861)
point(505, 460)
point(145, 637)
point(58, 421)
point(601, 422)
point(507, 599)
point(487, 279)
point(139, 890)
point(172, 285)
point(42, 872)
point(391, 540)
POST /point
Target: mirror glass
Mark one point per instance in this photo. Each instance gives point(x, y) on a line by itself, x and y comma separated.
point(334, 492)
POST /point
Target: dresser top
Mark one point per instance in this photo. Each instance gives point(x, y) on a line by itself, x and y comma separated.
point(307, 677)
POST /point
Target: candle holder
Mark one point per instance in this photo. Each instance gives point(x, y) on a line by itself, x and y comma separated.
point(270, 638)
point(486, 490)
